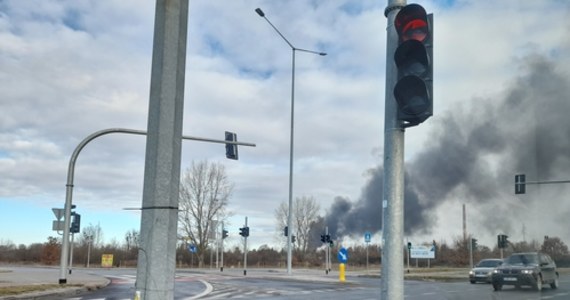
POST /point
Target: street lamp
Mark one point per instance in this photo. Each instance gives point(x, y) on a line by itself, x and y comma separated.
point(289, 214)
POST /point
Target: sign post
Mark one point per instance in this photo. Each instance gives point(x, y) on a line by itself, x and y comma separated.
point(342, 258)
point(367, 236)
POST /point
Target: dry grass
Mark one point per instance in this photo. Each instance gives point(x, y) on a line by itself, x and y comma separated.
point(17, 290)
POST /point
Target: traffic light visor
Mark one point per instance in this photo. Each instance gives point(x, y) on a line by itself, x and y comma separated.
point(411, 23)
point(412, 96)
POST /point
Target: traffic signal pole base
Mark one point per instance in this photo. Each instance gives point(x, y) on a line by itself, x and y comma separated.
point(341, 270)
point(221, 269)
point(244, 272)
point(63, 281)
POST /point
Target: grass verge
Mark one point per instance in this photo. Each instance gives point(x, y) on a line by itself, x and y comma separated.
point(17, 290)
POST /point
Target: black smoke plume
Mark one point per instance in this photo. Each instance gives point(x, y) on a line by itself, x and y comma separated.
point(474, 153)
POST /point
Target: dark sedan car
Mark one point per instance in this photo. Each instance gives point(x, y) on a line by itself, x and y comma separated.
point(483, 271)
point(533, 269)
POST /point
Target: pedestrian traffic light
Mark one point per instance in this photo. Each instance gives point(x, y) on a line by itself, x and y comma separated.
point(286, 230)
point(414, 60)
point(75, 225)
point(224, 234)
point(473, 244)
point(520, 187)
point(323, 239)
point(231, 149)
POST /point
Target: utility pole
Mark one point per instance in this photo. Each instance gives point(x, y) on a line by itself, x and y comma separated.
point(245, 249)
point(393, 195)
point(159, 220)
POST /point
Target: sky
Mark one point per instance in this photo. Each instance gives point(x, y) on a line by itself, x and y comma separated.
point(71, 68)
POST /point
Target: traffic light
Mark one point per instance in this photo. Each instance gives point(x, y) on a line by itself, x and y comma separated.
point(323, 239)
point(75, 225)
point(224, 234)
point(244, 231)
point(502, 241)
point(231, 149)
point(286, 230)
point(409, 246)
point(414, 60)
point(293, 238)
point(328, 238)
point(473, 244)
point(520, 187)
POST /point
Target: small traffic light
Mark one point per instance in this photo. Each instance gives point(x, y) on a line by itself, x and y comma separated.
point(328, 238)
point(323, 239)
point(224, 234)
point(520, 187)
point(231, 149)
point(244, 231)
point(414, 60)
point(286, 230)
point(330, 243)
point(502, 241)
point(409, 246)
point(293, 238)
point(473, 244)
point(76, 224)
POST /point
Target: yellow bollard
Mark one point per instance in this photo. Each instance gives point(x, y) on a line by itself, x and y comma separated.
point(341, 269)
point(137, 295)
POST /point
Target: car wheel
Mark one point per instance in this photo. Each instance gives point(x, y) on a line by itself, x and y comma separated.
point(497, 286)
point(472, 281)
point(554, 284)
point(538, 284)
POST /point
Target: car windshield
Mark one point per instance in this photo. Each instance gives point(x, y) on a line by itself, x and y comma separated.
point(523, 259)
point(488, 263)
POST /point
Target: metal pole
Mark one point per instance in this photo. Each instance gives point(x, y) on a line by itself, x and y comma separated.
point(222, 249)
point(290, 211)
point(71, 253)
point(88, 250)
point(471, 253)
point(326, 251)
point(293, 49)
point(393, 193)
point(159, 219)
point(366, 257)
point(245, 251)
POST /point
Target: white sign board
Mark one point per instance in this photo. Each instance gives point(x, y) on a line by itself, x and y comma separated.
point(58, 225)
point(422, 252)
point(58, 213)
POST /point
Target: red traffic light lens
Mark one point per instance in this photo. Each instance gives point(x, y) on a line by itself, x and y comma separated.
point(411, 23)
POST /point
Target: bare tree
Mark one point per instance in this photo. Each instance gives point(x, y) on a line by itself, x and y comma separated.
point(91, 234)
point(204, 194)
point(305, 212)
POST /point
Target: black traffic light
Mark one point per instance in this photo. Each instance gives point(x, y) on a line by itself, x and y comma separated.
point(414, 60)
point(328, 238)
point(76, 224)
point(286, 230)
point(224, 234)
point(502, 241)
point(293, 238)
point(473, 244)
point(231, 149)
point(244, 231)
point(323, 239)
point(409, 246)
point(520, 187)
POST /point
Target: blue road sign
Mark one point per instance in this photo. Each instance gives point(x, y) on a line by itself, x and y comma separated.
point(367, 237)
point(342, 255)
point(192, 248)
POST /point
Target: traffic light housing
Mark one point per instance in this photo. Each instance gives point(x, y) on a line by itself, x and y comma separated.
point(76, 224)
point(224, 234)
point(323, 239)
point(293, 238)
point(414, 61)
point(409, 246)
point(286, 230)
point(244, 231)
point(502, 241)
point(231, 149)
point(520, 187)
point(473, 244)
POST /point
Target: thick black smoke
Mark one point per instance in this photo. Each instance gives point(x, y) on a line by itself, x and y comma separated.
point(474, 154)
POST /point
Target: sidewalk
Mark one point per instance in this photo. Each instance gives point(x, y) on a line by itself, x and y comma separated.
point(18, 276)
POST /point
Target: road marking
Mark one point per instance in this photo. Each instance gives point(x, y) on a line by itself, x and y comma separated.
point(208, 290)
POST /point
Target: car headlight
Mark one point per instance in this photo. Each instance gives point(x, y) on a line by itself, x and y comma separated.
point(529, 271)
point(496, 271)
point(471, 272)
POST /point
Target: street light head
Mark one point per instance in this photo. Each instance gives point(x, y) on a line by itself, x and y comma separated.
point(259, 12)
point(322, 54)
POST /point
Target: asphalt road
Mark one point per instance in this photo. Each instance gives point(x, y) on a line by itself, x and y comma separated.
point(312, 285)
